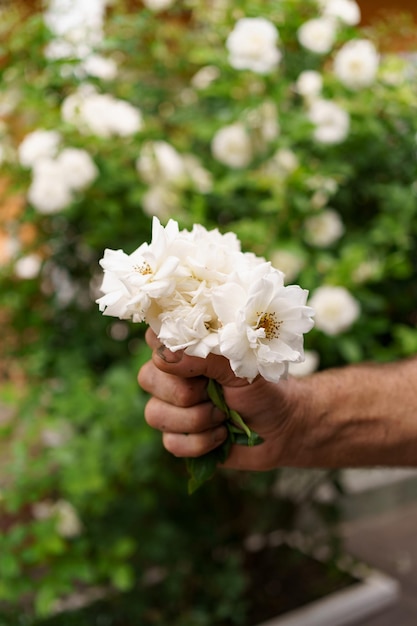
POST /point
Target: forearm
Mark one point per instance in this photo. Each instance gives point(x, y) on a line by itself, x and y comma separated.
point(363, 415)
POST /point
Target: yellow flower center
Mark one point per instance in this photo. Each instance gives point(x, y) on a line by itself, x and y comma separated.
point(270, 324)
point(144, 269)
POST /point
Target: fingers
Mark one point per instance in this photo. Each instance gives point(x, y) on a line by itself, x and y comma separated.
point(181, 392)
point(183, 445)
point(192, 420)
point(181, 364)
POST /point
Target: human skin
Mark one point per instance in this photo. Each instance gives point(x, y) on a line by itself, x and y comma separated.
point(356, 416)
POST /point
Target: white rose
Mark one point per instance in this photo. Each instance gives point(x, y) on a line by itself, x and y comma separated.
point(324, 229)
point(37, 145)
point(232, 146)
point(78, 168)
point(159, 162)
point(28, 266)
point(288, 262)
point(318, 35)
point(335, 309)
point(201, 178)
point(49, 192)
point(68, 522)
point(309, 84)
point(205, 76)
point(356, 64)
point(331, 121)
point(100, 67)
point(347, 11)
point(158, 5)
point(252, 45)
point(160, 201)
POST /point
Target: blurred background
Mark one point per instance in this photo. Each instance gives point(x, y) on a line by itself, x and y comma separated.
point(292, 124)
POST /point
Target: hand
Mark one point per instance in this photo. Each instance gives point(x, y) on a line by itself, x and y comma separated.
point(191, 425)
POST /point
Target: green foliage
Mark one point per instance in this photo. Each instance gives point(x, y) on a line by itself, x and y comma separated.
point(89, 500)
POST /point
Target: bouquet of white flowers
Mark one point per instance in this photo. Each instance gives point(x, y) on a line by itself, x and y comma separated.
point(200, 293)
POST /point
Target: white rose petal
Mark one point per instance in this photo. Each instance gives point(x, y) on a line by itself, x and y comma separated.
point(232, 146)
point(356, 64)
point(318, 35)
point(252, 45)
point(335, 309)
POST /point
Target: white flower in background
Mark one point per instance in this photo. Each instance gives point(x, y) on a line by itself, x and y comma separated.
point(49, 192)
point(263, 122)
point(99, 67)
point(101, 114)
point(263, 330)
point(68, 523)
point(205, 76)
point(76, 24)
point(306, 367)
point(198, 175)
point(159, 163)
point(324, 229)
point(252, 45)
point(356, 64)
point(309, 84)
point(161, 201)
point(347, 11)
point(158, 5)
point(284, 162)
point(318, 35)
point(79, 169)
point(37, 145)
point(288, 262)
point(28, 266)
point(335, 309)
point(232, 146)
point(331, 121)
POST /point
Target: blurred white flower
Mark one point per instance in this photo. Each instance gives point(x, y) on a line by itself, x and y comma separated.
point(324, 229)
point(68, 523)
point(158, 5)
point(159, 163)
point(335, 309)
point(306, 367)
point(356, 64)
point(49, 192)
point(76, 24)
point(101, 114)
point(79, 169)
point(28, 266)
point(284, 162)
point(100, 67)
point(161, 201)
point(252, 45)
point(318, 35)
point(331, 121)
point(263, 121)
point(309, 84)
point(232, 146)
point(198, 175)
point(288, 262)
point(205, 76)
point(37, 145)
point(348, 11)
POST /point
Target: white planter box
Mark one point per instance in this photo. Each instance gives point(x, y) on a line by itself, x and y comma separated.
point(343, 608)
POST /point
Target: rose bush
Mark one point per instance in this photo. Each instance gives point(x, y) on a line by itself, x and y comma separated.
point(284, 123)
